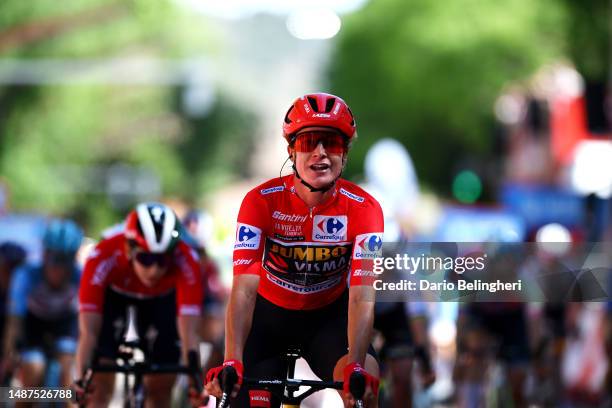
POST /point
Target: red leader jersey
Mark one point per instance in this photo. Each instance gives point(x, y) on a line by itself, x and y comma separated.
point(304, 256)
point(108, 267)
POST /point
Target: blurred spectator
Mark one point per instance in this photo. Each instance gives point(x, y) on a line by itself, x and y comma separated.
point(492, 339)
point(402, 325)
point(41, 322)
point(489, 334)
point(547, 320)
point(403, 328)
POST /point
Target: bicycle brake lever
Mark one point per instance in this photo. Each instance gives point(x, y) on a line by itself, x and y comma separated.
point(84, 383)
point(193, 362)
point(229, 378)
point(357, 385)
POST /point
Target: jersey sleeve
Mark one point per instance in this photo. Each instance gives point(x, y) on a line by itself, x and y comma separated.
point(251, 230)
point(367, 244)
point(94, 279)
point(18, 292)
point(189, 284)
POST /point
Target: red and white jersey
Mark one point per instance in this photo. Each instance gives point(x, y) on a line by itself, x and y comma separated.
point(108, 267)
point(304, 255)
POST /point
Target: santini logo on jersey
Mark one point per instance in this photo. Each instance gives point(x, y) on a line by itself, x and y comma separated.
point(368, 246)
point(352, 196)
point(271, 190)
point(329, 229)
point(247, 237)
point(363, 272)
point(277, 215)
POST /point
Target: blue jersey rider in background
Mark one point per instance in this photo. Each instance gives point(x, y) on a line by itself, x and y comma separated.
point(42, 307)
point(11, 256)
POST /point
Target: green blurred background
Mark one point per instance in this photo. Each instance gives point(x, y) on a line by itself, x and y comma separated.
point(106, 103)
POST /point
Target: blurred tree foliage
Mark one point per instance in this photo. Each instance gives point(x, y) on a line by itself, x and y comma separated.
point(210, 162)
point(428, 73)
point(589, 36)
point(58, 140)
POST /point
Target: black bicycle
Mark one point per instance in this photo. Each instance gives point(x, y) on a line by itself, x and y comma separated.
point(134, 371)
point(287, 389)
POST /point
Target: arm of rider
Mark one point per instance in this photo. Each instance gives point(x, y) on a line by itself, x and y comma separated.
point(9, 354)
point(89, 329)
point(188, 330)
point(17, 306)
point(360, 326)
point(360, 322)
point(237, 327)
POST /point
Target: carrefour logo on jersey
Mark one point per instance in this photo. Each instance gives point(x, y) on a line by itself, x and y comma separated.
point(368, 246)
point(329, 228)
point(247, 237)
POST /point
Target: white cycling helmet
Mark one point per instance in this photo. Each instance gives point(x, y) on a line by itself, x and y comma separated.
point(153, 227)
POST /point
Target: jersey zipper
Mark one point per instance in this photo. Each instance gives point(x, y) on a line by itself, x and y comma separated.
point(308, 263)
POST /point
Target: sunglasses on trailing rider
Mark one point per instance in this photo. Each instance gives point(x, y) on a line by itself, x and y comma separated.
point(147, 259)
point(59, 258)
point(332, 142)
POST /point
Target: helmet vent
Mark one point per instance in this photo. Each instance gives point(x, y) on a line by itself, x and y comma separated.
point(330, 104)
point(157, 222)
point(159, 226)
point(352, 117)
point(313, 103)
point(287, 120)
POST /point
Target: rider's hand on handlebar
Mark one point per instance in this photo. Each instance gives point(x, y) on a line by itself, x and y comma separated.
point(82, 390)
point(213, 384)
point(371, 383)
point(197, 399)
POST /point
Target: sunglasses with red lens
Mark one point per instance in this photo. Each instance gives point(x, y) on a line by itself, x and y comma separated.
point(332, 142)
point(147, 259)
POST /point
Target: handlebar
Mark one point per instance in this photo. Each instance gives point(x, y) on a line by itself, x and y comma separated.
point(192, 368)
point(143, 368)
point(229, 378)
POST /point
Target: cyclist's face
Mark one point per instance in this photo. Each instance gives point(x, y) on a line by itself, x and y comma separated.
point(57, 269)
point(149, 267)
point(319, 156)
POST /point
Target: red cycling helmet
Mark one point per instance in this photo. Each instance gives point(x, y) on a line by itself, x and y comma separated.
point(153, 227)
point(321, 110)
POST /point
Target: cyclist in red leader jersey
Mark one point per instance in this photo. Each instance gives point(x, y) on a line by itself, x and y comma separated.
point(146, 266)
point(298, 238)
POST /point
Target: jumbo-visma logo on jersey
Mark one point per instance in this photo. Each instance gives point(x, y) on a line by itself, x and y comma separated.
point(368, 246)
point(247, 237)
point(329, 228)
